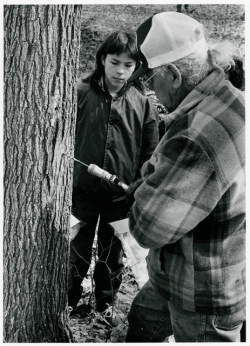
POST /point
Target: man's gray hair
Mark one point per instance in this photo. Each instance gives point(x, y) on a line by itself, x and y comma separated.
point(195, 67)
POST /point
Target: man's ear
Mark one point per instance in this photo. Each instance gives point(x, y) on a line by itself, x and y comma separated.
point(177, 78)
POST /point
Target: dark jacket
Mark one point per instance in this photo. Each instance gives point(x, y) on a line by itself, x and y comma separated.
point(117, 134)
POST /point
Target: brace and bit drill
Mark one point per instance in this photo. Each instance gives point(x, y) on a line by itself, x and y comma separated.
point(101, 173)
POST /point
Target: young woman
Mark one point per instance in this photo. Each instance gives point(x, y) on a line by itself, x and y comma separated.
point(117, 129)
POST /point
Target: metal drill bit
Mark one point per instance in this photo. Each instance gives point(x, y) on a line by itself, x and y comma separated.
point(104, 175)
point(81, 162)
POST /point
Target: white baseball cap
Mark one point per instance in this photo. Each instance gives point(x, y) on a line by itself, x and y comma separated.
point(166, 37)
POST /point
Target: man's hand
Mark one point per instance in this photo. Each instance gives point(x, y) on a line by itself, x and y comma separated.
point(131, 190)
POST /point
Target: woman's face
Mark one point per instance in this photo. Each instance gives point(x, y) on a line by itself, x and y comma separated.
point(118, 69)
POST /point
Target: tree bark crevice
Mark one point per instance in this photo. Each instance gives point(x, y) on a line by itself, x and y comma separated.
point(41, 49)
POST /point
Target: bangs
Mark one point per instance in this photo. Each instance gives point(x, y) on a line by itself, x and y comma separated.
point(122, 43)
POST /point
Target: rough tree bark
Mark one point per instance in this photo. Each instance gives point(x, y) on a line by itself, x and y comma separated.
point(41, 49)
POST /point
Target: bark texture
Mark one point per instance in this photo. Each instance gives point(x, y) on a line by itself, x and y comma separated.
point(41, 48)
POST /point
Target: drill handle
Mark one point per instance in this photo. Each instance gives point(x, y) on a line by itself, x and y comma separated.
point(123, 186)
point(101, 173)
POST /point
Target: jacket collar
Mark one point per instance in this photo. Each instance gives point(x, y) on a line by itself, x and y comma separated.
point(202, 90)
point(120, 93)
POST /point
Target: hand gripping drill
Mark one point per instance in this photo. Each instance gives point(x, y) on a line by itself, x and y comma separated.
point(101, 173)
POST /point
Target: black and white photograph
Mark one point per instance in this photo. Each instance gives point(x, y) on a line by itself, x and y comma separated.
point(124, 184)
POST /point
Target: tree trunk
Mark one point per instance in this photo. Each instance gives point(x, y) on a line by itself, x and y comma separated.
point(41, 49)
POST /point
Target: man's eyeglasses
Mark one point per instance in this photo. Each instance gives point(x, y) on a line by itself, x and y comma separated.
point(147, 81)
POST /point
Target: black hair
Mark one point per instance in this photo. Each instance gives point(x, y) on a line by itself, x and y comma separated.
point(116, 43)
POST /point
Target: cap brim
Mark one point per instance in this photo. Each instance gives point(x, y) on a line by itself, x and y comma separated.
point(139, 72)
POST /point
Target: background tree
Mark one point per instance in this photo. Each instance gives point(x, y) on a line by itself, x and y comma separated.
point(41, 49)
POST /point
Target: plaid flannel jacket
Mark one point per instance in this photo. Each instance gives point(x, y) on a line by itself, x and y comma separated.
point(190, 208)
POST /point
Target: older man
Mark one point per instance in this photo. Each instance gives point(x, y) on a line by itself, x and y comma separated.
point(190, 208)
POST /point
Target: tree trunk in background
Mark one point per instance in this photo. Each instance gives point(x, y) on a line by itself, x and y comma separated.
point(41, 49)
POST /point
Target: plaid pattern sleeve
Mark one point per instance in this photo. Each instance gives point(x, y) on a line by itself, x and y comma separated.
point(173, 198)
point(190, 209)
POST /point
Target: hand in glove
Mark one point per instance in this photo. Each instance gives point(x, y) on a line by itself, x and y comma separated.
point(131, 190)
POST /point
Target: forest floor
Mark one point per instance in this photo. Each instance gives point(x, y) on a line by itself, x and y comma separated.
point(98, 21)
point(89, 326)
